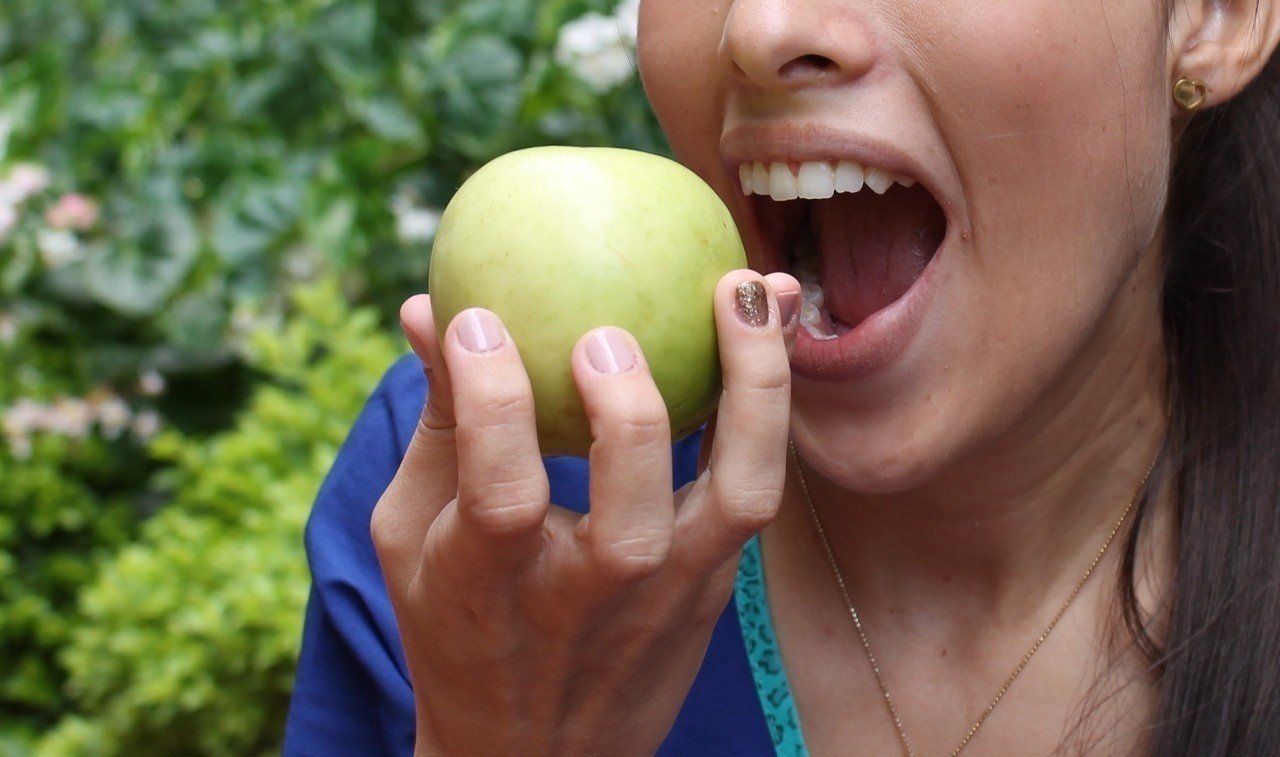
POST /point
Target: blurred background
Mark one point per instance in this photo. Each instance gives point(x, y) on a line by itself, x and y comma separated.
point(210, 211)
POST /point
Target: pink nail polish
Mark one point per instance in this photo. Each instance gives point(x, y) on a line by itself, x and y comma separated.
point(479, 331)
point(610, 351)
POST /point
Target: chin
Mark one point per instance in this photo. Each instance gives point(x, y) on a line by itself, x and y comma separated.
point(872, 454)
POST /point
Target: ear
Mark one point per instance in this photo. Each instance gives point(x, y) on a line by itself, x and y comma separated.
point(1223, 43)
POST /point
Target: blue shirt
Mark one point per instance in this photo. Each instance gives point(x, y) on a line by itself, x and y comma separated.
point(353, 696)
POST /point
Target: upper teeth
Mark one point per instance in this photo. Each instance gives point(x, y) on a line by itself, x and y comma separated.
point(815, 181)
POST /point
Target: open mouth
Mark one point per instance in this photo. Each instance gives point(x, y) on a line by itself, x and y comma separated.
point(856, 237)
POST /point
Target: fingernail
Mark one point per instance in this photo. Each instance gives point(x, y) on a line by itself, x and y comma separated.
point(752, 304)
point(788, 302)
point(609, 351)
point(479, 331)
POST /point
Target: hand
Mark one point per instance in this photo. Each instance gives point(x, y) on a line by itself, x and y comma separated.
point(529, 629)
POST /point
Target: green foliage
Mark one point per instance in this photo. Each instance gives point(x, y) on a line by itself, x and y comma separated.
point(187, 639)
point(73, 475)
point(54, 529)
point(237, 145)
point(187, 164)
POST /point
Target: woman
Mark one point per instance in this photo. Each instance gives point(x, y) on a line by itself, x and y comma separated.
point(1032, 500)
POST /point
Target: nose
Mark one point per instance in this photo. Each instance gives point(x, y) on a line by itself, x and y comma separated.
point(792, 44)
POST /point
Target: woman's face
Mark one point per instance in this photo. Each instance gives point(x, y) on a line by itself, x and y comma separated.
point(1015, 272)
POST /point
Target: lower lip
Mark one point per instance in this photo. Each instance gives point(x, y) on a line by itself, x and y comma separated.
point(874, 345)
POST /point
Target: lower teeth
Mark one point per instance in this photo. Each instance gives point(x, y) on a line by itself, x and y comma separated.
point(813, 316)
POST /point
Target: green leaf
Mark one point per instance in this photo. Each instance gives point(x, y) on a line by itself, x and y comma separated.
point(481, 85)
point(253, 217)
point(136, 273)
point(196, 322)
point(343, 38)
point(388, 118)
point(250, 95)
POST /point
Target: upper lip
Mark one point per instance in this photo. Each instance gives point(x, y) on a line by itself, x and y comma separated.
point(800, 143)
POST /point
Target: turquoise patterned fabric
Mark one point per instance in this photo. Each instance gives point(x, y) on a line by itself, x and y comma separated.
point(766, 660)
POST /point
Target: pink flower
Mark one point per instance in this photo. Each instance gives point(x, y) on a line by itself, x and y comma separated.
point(73, 211)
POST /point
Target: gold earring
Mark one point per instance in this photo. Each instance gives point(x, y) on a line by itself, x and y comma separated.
point(1190, 94)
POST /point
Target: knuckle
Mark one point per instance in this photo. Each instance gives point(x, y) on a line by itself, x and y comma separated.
point(748, 509)
point(384, 527)
point(430, 423)
point(497, 488)
point(771, 379)
point(505, 507)
point(634, 557)
point(502, 402)
point(637, 425)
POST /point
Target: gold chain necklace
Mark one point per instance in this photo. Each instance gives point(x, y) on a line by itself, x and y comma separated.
point(1026, 658)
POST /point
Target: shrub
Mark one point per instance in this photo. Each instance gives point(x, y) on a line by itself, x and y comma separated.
point(72, 487)
point(187, 639)
point(54, 529)
point(167, 171)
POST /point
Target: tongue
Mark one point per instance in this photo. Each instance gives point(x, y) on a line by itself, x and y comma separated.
point(874, 247)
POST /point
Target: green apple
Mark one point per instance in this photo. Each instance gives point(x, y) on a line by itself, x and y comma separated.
point(560, 240)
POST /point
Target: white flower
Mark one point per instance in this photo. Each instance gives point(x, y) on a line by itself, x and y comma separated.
point(57, 248)
point(597, 50)
point(23, 417)
point(146, 425)
point(29, 179)
point(19, 421)
point(414, 222)
point(113, 416)
point(8, 220)
point(628, 16)
point(151, 383)
point(71, 417)
point(11, 194)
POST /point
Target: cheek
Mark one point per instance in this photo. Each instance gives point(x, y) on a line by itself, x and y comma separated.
point(678, 53)
point(1061, 141)
point(1055, 114)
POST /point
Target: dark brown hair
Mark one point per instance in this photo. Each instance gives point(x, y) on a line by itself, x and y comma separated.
point(1217, 662)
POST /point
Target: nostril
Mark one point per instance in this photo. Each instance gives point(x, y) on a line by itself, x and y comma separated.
point(806, 65)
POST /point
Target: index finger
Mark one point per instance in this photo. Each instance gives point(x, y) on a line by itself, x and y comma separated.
point(427, 478)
